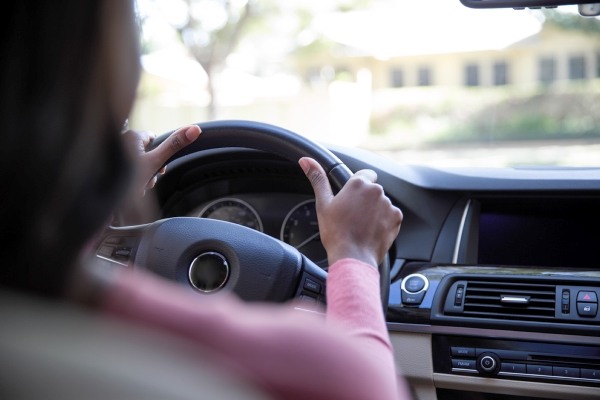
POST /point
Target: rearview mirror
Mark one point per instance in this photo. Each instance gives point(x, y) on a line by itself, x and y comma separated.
point(522, 3)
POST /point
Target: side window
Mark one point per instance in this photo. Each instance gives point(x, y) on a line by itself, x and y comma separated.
point(577, 67)
point(424, 76)
point(396, 77)
point(472, 75)
point(547, 69)
point(500, 73)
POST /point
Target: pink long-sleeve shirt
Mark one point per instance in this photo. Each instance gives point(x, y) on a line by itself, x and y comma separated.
point(288, 353)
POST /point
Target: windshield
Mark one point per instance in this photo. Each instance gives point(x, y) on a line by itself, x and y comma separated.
point(422, 82)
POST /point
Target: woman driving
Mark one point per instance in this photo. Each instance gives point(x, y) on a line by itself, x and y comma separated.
point(69, 79)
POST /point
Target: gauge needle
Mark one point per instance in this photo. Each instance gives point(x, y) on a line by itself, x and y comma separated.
point(310, 239)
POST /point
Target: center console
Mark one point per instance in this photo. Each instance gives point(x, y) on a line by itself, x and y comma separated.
point(521, 360)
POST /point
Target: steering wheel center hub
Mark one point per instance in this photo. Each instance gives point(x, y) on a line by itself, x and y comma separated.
point(208, 272)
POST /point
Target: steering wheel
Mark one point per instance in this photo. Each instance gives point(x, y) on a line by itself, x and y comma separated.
point(211, 255)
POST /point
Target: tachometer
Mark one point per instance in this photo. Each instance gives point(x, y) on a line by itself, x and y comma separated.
point(301, 230)
point(233, 210)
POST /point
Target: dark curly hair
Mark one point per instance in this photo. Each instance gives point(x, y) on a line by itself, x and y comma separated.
point(64, 167)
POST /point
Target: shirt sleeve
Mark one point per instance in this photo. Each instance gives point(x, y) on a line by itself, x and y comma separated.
point(288, 353)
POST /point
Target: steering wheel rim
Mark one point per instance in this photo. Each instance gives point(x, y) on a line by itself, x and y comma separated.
point(279, 141)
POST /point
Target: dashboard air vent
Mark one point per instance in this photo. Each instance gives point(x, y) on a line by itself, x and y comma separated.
point(509, 300)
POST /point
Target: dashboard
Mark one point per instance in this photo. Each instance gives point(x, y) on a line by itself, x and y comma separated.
point(495, 274)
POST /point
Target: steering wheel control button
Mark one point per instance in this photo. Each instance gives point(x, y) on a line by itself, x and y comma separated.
point(208, 272)
point(468, 352)
point(312, 286)
point(587, 310)
point(122, 253)
point(413, 289)
point(308, 299)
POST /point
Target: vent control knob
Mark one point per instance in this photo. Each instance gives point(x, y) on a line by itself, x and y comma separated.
point(488, 363)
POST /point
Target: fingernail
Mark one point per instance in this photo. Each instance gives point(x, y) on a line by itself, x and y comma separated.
point(192, 133)
point(304, 165)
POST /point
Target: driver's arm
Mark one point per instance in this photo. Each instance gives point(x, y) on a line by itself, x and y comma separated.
point(291, 354)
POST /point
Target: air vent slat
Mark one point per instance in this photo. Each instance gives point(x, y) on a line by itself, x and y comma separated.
point(497, 298)
point(516, 291)
point(483, 299)
point(506, 316)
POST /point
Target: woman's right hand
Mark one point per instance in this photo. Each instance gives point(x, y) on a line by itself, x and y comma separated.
point(359, 222)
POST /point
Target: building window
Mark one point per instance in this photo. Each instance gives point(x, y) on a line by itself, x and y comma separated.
point(397, 77)
point(424, 76)
point(547, 69)
point(472, 75)
point(500, 73)
point(577, 67)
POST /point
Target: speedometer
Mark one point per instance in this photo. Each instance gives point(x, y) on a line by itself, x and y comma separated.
point(233, 210)
point(301, 230)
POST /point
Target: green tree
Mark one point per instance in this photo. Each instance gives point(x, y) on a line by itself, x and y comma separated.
point(569, 21)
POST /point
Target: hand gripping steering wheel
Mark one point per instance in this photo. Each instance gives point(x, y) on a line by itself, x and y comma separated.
point(212, 255)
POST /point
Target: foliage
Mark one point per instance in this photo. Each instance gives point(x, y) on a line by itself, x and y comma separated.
point(570, 21)
point(487, 115)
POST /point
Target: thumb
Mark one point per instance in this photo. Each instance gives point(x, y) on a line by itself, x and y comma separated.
point(177, 141)
point(318, 179)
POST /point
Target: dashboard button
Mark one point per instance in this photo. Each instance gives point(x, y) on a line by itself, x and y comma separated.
point(488, 364)
point(590, 373)
point(566, 301)
point(539, 369)
point(414, 284)
point(565, 372)
point(459, 296)
point(412, 298)
point(513, 368)
point(464, 364)
point(463, 351)
point(587, 309)
point(587, 296)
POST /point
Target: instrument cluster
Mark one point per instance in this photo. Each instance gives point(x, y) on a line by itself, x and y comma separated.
point(291, 218)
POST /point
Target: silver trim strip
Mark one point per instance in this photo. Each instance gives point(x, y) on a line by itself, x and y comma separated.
point(469, 371)
point(460, 232)
point(557, 377)
point(492, 333)
point(514, 299)
point(111, 260)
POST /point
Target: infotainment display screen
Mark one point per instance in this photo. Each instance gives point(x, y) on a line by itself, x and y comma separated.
point(551, 232)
